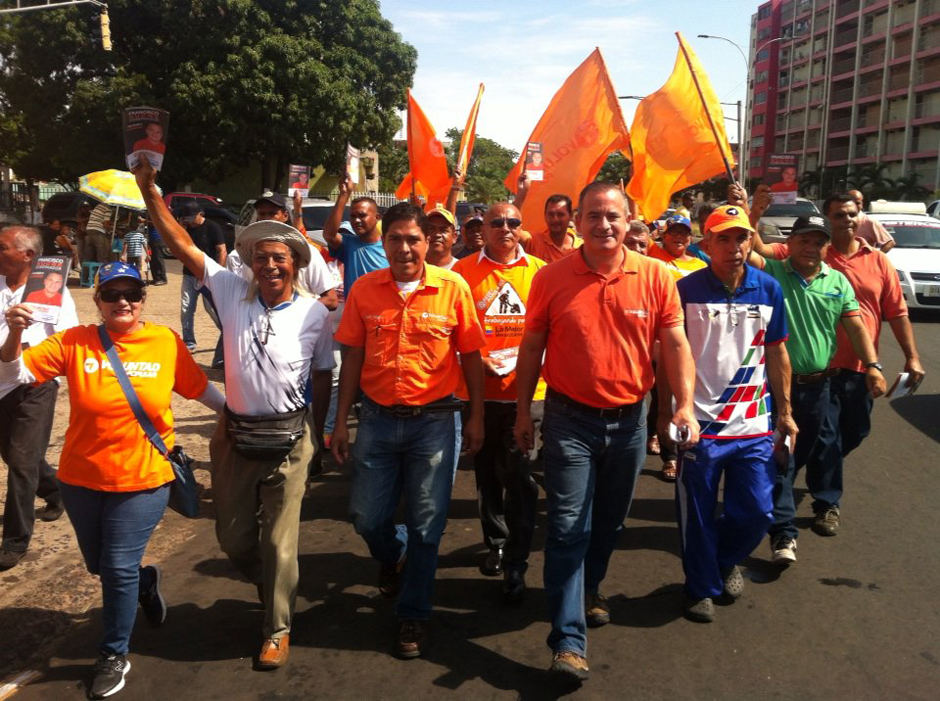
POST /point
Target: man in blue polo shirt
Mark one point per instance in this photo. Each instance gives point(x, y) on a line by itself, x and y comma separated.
point(357, 244)
point(735, 318)
point(818, 300)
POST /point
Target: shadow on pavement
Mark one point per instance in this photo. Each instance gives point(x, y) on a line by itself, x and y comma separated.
point(921, 411)
point(35, 628)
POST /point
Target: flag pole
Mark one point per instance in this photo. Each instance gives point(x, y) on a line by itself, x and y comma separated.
point(708, 114)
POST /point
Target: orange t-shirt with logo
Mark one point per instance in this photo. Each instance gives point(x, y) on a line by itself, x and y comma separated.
point(105, 447)
point(500, 292)
point(542, 247)
point(411, 345)
point(601, 329)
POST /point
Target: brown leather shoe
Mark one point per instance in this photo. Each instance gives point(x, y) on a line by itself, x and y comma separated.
point(412, 635)
point(274, 652)
point(569, 666)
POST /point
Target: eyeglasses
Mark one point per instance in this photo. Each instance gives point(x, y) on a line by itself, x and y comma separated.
point(512, 223)
point(112, 296)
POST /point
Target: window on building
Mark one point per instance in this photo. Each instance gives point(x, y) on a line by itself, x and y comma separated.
point(763, 12)
point(762, 55)
point(760, 98)
point(763, 33)
point(761, 77)
point(758, 120)
point(757, 142)
point(755, 162)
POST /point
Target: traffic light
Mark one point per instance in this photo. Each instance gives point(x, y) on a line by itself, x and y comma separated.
point(105, 30)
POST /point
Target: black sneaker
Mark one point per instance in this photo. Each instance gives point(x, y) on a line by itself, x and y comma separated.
point(110, 671)
point(150, 599)
point(50, 512)
point(10, 558)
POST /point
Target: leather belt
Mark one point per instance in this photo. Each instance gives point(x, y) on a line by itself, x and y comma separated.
point(403, 411)
point(816, 377)
point(611, 413)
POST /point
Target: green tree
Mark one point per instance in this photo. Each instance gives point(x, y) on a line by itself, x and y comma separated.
point(266, 81)
point(393, 165)
point(907, 187)
point(616, 168)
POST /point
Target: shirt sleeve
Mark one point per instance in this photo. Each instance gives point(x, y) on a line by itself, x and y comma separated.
point(227, 288)
point(777, 328)
point(323, 348)
point(881, 234)
point(339, 253)
point(892, 298)
point(778, 251)
point(218, 239)
point(849, 301)
point(470, 336)
point(189, 381)
point(352, 330)
point(317, 275)
point(48, 359)
point(536, 311)
point(670, 313)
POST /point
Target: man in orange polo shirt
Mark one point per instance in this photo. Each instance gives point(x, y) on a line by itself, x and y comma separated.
point(404, 327)
point(595, 315)
point(499, 277)
point(558, 240)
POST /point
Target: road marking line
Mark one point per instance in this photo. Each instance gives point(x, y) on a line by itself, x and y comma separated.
point(14, 685)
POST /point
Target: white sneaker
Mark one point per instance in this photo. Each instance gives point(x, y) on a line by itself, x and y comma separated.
point(783, 550)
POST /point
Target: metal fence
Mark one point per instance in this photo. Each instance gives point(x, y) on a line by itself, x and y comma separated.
point(382, 199)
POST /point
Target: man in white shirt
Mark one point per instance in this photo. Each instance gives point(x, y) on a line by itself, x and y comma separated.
point(27, 410)
point(278, 353)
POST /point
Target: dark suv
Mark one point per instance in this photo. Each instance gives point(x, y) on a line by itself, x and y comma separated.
point(65, 205)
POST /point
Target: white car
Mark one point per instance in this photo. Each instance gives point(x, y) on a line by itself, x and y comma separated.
point(916, 256)
point(778, 220)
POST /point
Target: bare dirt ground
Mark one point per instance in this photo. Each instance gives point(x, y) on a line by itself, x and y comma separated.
point(50, 589)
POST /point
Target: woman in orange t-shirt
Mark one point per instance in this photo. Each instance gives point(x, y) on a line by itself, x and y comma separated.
point(114, 483)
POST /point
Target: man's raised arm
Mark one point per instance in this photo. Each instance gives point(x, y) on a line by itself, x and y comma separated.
point(334, 239)
point(173, 235)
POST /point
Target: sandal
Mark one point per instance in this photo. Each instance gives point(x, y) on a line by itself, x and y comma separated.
point(670, 471)
point(652, 445)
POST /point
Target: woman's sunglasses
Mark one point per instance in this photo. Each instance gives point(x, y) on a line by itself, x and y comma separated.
point(112, 296)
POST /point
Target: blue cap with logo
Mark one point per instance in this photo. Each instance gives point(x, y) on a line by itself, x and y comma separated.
point(678, 220)
point(113, 271)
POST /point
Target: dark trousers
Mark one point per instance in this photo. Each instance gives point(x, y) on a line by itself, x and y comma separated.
point(846, 425)
point(810, 408)
point(25, 428)
point(506, 493)
point(157, 268)
point(667, 449)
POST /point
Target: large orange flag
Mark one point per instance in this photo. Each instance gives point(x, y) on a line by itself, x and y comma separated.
point(581, 127)
point(425, 157)
point(674, 144)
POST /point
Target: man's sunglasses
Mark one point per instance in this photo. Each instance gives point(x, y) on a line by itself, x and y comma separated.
point(512, 223)
point(112, 296)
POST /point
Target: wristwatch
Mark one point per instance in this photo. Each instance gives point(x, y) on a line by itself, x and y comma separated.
point(875, 365)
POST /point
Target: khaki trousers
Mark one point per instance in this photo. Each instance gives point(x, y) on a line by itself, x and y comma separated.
point(258, 519)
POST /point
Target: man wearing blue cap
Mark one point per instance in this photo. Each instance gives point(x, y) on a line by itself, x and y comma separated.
point(673, 250)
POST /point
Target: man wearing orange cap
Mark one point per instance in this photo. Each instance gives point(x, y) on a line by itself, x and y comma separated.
point(442, 235)
point(736, 320)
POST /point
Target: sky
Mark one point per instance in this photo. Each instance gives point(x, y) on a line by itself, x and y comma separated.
point(523, 50)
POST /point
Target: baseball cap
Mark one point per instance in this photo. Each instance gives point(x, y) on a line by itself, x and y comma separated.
point(678, 220)
point(114, 271)
point(813, 222)
point(270, 230)
point(728, 216)
point(188, 211)
point(472, 219)
point(444, 212)
point(277, 199)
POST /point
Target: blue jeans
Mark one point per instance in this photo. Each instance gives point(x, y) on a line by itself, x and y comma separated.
point(418, 456)
point(113, 529)
point(591, 465)
point(810, 405)
point(847, 423)
point(188, 297)
point(711, 546)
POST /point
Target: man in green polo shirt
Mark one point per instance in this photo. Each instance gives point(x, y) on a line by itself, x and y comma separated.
point(817, 299)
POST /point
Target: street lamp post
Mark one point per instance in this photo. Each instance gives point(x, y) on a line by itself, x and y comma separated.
point(748, 66)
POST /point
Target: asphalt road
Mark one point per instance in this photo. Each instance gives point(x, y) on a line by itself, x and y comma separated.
point(856, 617)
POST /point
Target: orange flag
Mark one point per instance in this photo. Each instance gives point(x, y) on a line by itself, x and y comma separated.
point(674, 143)
point(469, 135)
point(581, 127)
point(425, 157)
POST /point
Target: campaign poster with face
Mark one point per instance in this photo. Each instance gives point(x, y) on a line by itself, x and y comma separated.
point(534, 164)
point(145, 132)
point(783, 177)
point(299, 178)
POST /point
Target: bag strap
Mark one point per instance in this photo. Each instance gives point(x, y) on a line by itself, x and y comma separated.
point(129, 393)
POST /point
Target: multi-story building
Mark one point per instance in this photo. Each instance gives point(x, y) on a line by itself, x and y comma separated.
point(846, 83)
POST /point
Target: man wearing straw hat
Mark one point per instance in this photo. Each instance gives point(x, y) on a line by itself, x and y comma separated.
point(278, 347)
